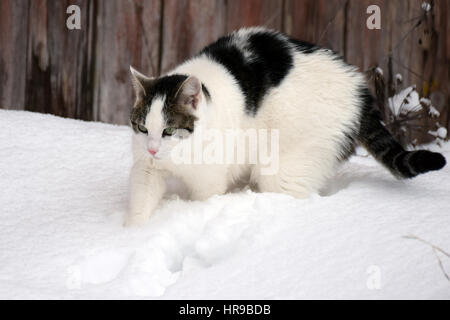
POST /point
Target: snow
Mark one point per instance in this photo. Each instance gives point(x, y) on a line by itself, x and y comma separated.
point(433, 112)
point(440, 132)
point(425, 101)
point(405, 101)
point(64, 194)
point(426, 6)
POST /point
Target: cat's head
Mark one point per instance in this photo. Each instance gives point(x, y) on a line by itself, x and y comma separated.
point(166, 111)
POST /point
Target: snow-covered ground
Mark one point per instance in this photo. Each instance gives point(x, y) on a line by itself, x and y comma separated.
point(64, 193)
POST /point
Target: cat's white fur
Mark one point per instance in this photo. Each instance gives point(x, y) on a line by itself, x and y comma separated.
point(312, 108)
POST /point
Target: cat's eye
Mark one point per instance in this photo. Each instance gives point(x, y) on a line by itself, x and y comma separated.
point(169, 131)
point(142, 129)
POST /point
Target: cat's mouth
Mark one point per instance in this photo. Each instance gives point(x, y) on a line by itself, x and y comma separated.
point(154, 156)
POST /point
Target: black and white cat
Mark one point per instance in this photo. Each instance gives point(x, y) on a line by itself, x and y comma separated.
point(258, 79)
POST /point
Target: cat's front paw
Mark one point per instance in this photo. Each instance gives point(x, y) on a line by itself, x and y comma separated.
point(135, 219)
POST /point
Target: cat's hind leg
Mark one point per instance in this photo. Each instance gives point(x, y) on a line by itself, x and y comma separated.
point(211, 183)
point(300, 173)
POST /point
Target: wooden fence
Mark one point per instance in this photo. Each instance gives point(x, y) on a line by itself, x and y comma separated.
point(84, 73)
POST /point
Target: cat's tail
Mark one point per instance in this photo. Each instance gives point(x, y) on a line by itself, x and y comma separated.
point(380, 143)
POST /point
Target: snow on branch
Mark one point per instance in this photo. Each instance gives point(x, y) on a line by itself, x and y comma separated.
point(405, 101)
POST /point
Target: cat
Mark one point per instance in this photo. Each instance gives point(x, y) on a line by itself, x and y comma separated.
point(256, 78)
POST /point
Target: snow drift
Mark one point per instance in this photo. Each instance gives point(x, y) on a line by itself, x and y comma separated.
point(64, 194)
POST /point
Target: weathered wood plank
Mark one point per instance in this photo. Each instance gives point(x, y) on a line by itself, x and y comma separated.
point(13, 42)
point(57, 61)
point(446, 35)
point(418, 57)
point(437, 77)
point(365, 47)
point(318, 21)
point(189, 26)
point(127, 33)
point(268, 13)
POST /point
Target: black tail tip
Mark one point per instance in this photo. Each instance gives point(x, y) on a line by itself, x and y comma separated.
point(423, 161)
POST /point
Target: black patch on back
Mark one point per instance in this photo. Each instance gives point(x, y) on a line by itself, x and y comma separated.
point(269, 62)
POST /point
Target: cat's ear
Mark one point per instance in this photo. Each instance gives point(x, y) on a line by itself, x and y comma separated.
point(189, 93)
point(140, 83)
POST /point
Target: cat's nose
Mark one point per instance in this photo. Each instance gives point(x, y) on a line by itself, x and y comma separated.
point(152, 151)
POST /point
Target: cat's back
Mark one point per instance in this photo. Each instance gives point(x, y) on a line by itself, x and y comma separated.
point(257, 58)
point(261, 60)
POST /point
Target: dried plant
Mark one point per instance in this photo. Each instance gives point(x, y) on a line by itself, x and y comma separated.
point(406, 114)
